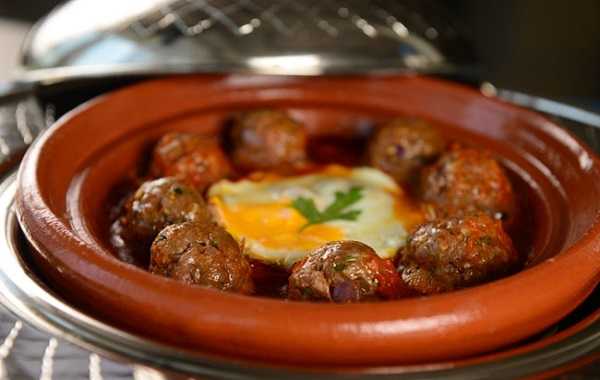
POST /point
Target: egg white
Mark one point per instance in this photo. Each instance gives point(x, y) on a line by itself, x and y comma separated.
point(258, 213)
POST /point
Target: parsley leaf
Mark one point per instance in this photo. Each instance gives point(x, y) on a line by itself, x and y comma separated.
point(337, 210)
point(307, 208)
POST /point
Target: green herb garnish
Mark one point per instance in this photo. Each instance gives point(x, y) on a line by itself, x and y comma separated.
point(213, 242)
point(337, 210)
point(307, 292)
point(486, 240)
point(339, 266)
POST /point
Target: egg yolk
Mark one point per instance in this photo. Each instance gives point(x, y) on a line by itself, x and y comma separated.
point(274, 225)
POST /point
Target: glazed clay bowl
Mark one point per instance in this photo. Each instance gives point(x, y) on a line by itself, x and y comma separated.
point(67, 176)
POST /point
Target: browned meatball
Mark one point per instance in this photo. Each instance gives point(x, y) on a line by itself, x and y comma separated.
point(194, 159)
point(201, 253)
point(456, 252)
point(158, 203)
point(466, 180)
point(268, 140)
point(402, 147)
point(343, 271)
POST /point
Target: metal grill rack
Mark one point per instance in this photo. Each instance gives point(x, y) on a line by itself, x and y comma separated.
point(242, 17)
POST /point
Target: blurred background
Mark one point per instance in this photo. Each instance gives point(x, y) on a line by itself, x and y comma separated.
point(544, 47)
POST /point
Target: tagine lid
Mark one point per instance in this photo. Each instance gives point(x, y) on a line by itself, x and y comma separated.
point(255, 36)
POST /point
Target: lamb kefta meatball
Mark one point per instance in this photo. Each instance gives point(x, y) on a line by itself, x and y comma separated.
point(196, 160)
point(158, 203)
point(268, 140)
point(465, 180)
point(201, 253)
point(456, 252)
point(402, 147)
point(343, 271)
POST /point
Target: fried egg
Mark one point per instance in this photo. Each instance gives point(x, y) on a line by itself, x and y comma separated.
point(260, 213)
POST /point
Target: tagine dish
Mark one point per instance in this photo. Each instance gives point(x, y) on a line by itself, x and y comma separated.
point(300, 220)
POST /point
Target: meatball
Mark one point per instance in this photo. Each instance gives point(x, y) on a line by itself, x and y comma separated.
point(193, 159)
point(465, 180)
point(268, 140)
point(201, 253)
point(456, 252)
point(402, 147)
point(343, 271)
point(158, 203)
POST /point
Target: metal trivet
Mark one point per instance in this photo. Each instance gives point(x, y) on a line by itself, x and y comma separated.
point(25, 352)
